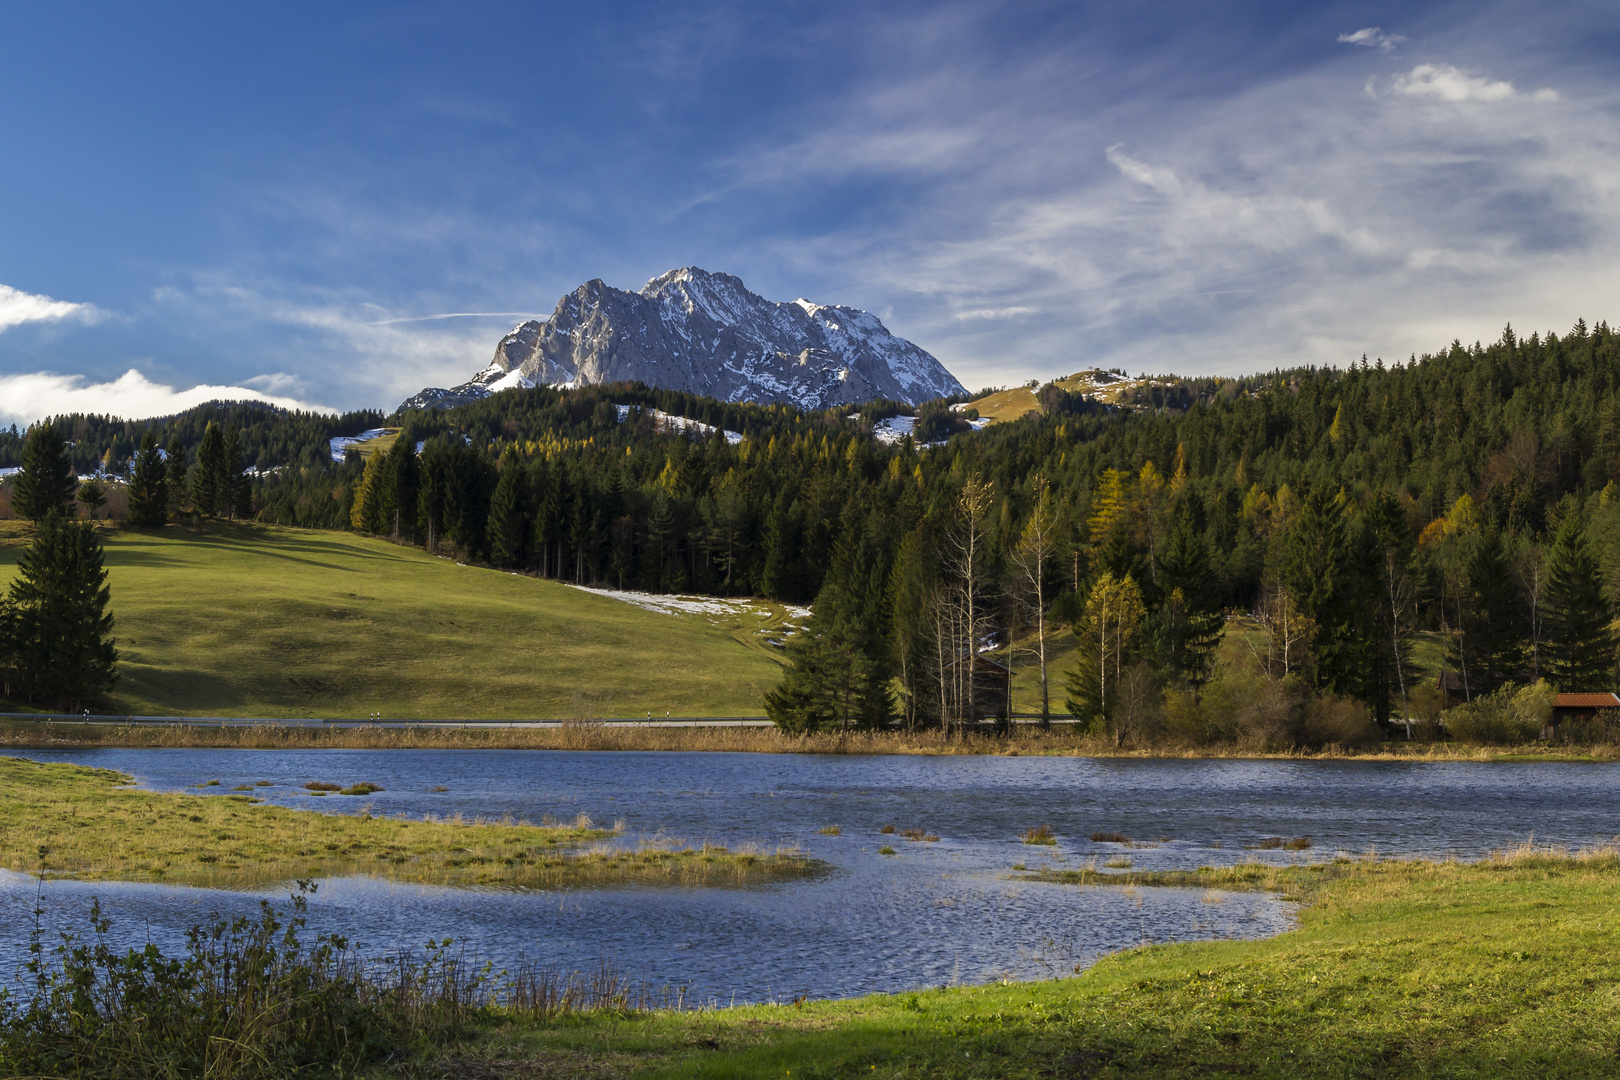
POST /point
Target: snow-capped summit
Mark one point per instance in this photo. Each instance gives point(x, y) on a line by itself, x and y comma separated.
point(705, 333)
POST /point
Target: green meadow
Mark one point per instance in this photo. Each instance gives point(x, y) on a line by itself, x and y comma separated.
point(255, 620)
point(1505, 968)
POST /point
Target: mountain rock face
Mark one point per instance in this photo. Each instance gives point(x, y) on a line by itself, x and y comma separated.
point(707, 334)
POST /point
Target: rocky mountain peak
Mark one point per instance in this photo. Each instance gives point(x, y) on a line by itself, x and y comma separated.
point(705, 332)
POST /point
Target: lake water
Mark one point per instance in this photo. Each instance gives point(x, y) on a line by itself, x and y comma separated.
point(935, 913)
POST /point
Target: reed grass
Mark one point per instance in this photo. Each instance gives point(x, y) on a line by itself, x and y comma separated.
point(1022, 741)
point(1041, 834)
point(249, 999)
point(72, 821)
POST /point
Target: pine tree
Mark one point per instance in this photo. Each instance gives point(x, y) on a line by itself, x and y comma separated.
point(1190, 623)
point(840, 672)
point(149, 486)
point(1580, 648)
point(235, 494)
point(46, 481)
point(1486, 615)
point(405, 471)
point(60, 631)
point(175, 466)
point(207, 494)
point(510, 524)
point(92, 496)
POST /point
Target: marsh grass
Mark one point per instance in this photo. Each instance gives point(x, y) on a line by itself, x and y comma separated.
point(1028, 741)
point(831, 830)
point(1272, 843)
point(1109, 838)
point(249, 999)
point(1041, 834)
point(88, 829)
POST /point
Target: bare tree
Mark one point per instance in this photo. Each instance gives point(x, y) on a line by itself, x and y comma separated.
point(1032, 556)
point(965, 547)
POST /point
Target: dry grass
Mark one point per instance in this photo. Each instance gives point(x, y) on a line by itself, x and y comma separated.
point(1032, 741)
point(73, 821)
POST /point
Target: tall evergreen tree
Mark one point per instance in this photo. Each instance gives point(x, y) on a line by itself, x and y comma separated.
point(207, 493)
point(235, 493)
point(60, 632)
point(1580, 649)
point(149, 486)
point(46, 480)
point(1485, 614)
point(510, 524)
point(175, 466)
point(840, 673)
point(1188, 626)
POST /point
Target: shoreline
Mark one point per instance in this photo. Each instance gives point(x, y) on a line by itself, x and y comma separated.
point(584, 736)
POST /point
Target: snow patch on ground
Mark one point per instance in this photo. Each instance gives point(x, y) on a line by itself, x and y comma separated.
point(343, 443)
point(671, 424)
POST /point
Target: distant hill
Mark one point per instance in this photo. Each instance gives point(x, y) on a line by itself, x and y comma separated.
point(706, 333)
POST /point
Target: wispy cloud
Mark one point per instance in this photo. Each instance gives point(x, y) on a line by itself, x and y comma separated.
point(378, 357)
point(1372, 37)
point(1448, 83)
point(1290, 220)
point(18, 307)
point(25, 398)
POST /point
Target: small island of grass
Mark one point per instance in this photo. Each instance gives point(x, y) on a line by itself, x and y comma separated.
point(67, 820)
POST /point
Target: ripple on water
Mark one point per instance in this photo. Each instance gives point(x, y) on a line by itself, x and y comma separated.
point(934, 913)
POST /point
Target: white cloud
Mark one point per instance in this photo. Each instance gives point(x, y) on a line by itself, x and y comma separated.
point(1296, 220)
point(379, 356)
point(29, 397)
point(1450, 83)
point(1372, 37)
point(18, 307)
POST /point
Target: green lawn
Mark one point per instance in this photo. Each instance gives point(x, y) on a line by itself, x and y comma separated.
point(1508, 968)
point(253, 620)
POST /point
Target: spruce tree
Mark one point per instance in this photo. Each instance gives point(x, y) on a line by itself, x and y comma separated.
point(509, 516)
point(840, 673)
point(232, 484)
point(175, 468)
point(46, 480)
point(207, 496)
point(149, 486)
point(61, 631)
point(1189, 625)
point(1580, 647)
point(1487, 615)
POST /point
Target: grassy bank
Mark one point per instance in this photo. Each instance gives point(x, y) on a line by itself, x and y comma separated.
point(585, 736)
point(252, 620)
point(1509, 967)
point(68, 820)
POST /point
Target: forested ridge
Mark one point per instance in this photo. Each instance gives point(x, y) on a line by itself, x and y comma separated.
point(1470, 492)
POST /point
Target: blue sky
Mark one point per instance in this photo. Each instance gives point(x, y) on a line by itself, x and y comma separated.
point(202, 200)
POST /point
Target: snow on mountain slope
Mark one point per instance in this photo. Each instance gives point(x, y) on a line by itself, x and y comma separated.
point(705, 333)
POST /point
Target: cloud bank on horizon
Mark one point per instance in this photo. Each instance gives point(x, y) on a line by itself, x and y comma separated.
point(339, 207)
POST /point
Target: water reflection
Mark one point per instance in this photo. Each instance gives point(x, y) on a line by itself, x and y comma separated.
point(934, 913)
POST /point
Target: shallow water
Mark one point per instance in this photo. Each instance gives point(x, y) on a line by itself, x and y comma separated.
point(935, 913)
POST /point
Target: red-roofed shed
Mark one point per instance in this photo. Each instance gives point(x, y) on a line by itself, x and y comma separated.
point(1579, 707)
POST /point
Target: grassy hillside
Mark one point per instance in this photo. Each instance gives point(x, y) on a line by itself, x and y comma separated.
point(254, 620)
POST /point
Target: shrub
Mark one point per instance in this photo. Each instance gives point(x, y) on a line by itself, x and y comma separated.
point(1513, 714)
point(1334, 720)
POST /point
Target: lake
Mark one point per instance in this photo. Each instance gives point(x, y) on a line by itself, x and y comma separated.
point(933, 914)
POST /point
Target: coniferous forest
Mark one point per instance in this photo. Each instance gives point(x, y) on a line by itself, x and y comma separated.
point(1473, 493)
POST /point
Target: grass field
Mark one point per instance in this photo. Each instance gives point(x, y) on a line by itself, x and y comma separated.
point(1506, 968)
point(253, 620)
point(73, 821)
